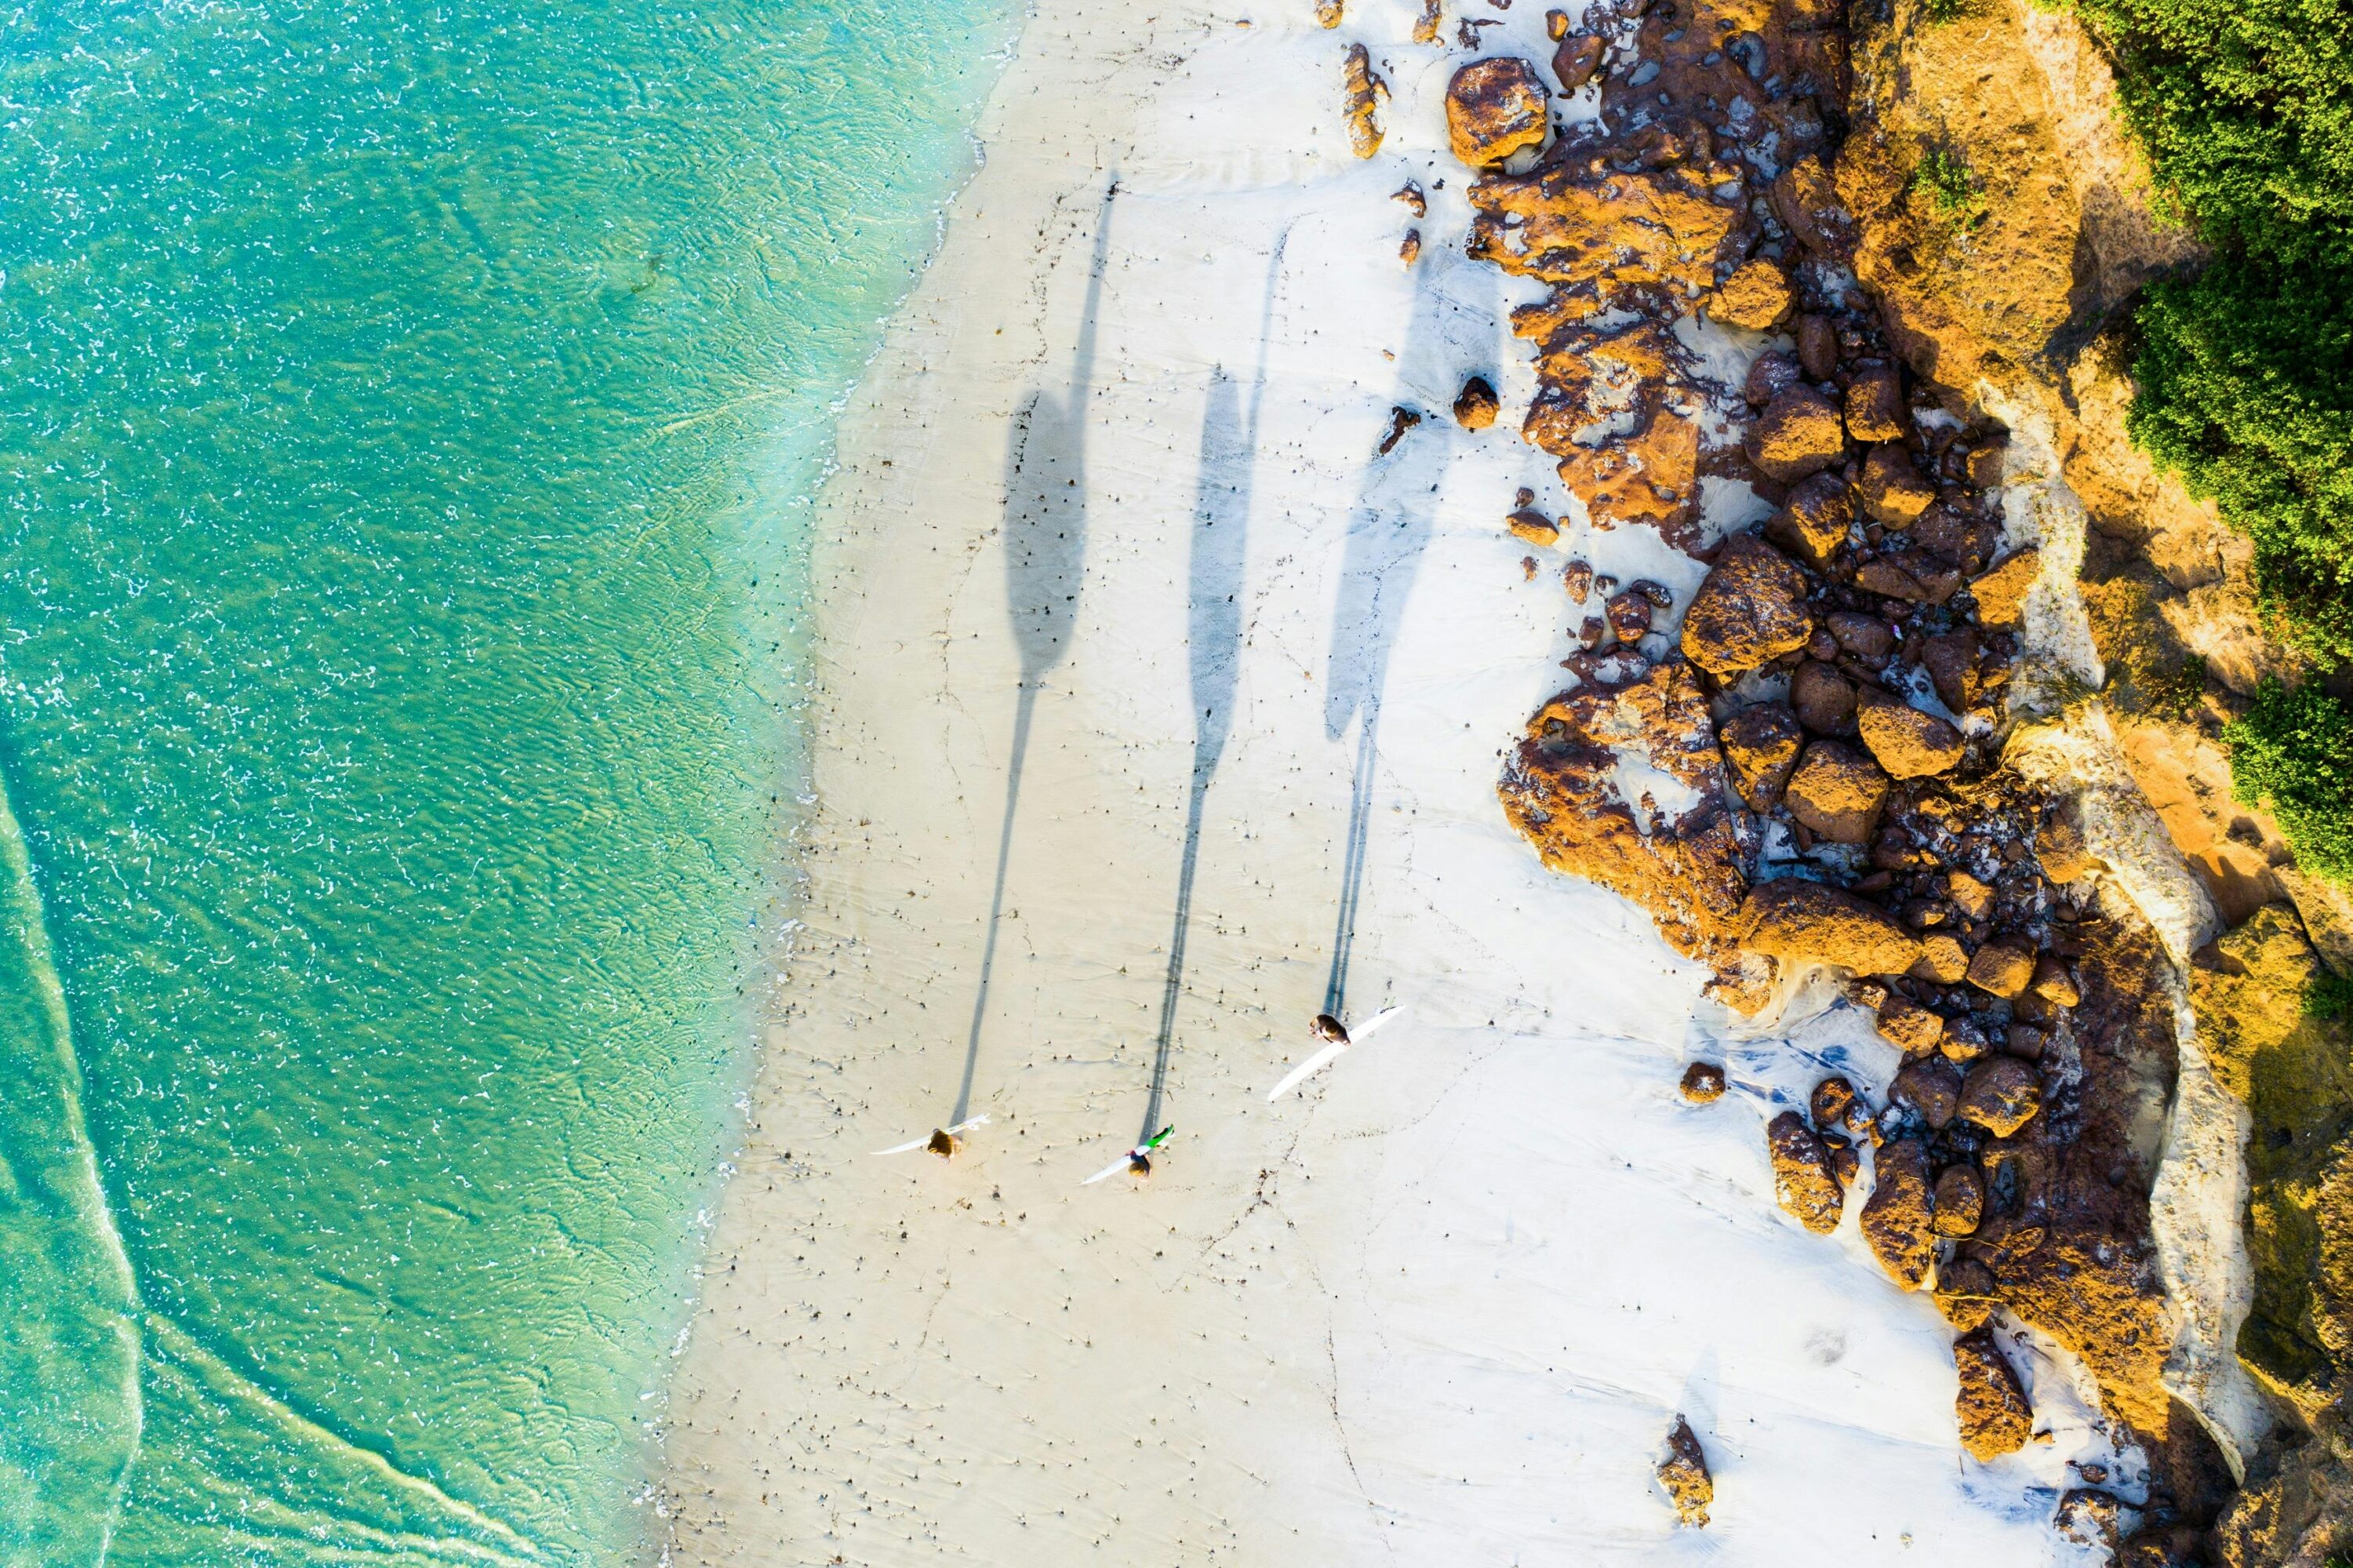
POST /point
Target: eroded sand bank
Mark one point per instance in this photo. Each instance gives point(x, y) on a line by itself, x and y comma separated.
point(1110, 521)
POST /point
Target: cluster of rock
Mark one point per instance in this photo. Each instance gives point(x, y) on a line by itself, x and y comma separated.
point(1807, 770)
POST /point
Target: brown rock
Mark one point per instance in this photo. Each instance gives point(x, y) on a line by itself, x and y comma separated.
point(1951, 661)
point(1995, 1417)
point(1799, 433)
point(1822, 698)
point(1910, 1027)
point(1833, 1098)
point(1897, 1221)
point(1983, 467)
point(1907, 742)
point(1494, 107)
point(1865, 636)
point(1769, 375)
point(1874, 405)
point(1409, 248)
point(1966, 1293)
point(1807, 204)
point(2089, 1517)
point(1534, 526)
point(1761, 743)
point(2059, 849)
point(1401, 419)
point(1813, 522)
point(2002, 591)
point(1629, 614)
point(2002, 968)
point(1838, 793)
point(1930, 1085)
point(2052, 983)
point(1410, 194)
point(1891, 489)
point(1575, 61)
point(1754, 296)
point(1749, 611)
point(1965, 1041)
point(1818, 347)
point(1703, 1082)
point(1949, 533)
point(1327, 12)
point(1960, 1201)
point(1476, 408)
point(2001, 1095)
point(1885, 577)
point(2025, 1042)
point(1942, 960)
point(1801, 921)
point(1970, 897)
point(1365, 90)
point(1684, 1474)
point(1425, 26)
point(1804, 1184)
point(1578, 578)
point(1846, 1160)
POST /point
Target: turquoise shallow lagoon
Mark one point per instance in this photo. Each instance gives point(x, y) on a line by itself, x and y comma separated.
point(407, 413)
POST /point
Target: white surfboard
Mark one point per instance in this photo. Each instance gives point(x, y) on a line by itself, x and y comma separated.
point(1329, 1054)
point(1114, 1169)
point(925, 1142)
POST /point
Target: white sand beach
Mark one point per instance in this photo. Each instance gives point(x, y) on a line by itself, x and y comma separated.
point(1109, 525)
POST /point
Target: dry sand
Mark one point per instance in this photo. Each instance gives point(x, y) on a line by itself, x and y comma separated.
point(1109, 522)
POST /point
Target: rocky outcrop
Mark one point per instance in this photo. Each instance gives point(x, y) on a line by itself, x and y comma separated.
point(2297, 1510)
point(1677, 850)
point(1906, 551)
point(2293, 1073)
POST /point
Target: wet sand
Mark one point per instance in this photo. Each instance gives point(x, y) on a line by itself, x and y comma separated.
point(1155, 714)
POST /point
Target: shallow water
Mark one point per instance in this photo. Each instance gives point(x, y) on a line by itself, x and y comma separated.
point(407, 415)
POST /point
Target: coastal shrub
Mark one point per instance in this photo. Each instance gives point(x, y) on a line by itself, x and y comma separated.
point(2244, 372)
point(2173, 692)
point(2244, 380)
point(1951, 189)
point(2330, 996)
point(2292, 754)
point(2245, 111)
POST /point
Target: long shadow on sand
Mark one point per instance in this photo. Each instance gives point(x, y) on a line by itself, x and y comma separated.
point(1389, 529)
point(1045, 557)
point(1221, 505)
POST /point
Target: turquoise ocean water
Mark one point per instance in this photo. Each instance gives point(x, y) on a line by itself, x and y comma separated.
point(406, 414)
